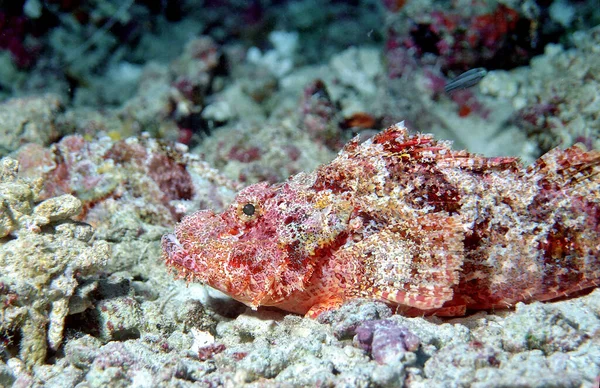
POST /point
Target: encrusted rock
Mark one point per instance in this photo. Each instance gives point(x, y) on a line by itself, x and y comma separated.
point(39, 271)
point(28, 120)
point(58, 208)
point(119, 318)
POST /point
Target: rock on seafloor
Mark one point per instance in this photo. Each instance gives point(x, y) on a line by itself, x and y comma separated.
point(43, 256)
point(29, 119)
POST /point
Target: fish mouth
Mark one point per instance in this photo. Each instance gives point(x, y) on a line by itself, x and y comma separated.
point(170, 243)
point(203, 249)
point(177, 257)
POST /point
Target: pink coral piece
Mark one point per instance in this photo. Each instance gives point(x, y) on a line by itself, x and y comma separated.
point(407, 220)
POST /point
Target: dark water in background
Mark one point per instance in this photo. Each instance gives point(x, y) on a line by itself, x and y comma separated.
point(72, 40)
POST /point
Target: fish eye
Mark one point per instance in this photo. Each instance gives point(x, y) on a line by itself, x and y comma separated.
point(248, 209)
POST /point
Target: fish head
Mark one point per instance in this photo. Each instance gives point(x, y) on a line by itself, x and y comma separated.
point(264, 246)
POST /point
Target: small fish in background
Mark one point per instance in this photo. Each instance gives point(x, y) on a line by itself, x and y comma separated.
point(466, 80)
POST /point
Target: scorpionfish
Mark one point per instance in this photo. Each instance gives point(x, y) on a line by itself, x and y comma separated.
point(407, 220)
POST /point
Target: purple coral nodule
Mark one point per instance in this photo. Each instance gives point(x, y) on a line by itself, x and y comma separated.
point(385, 339)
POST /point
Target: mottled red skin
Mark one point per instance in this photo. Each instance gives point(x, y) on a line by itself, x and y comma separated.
point(406, 220)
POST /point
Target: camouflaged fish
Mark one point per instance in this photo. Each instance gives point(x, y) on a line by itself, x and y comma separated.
point(407, 220)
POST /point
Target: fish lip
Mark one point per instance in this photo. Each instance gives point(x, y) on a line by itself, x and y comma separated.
point(170, 244)
point(175, 255)
point(180, 252)
point(254, 302)
point(171, 238)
